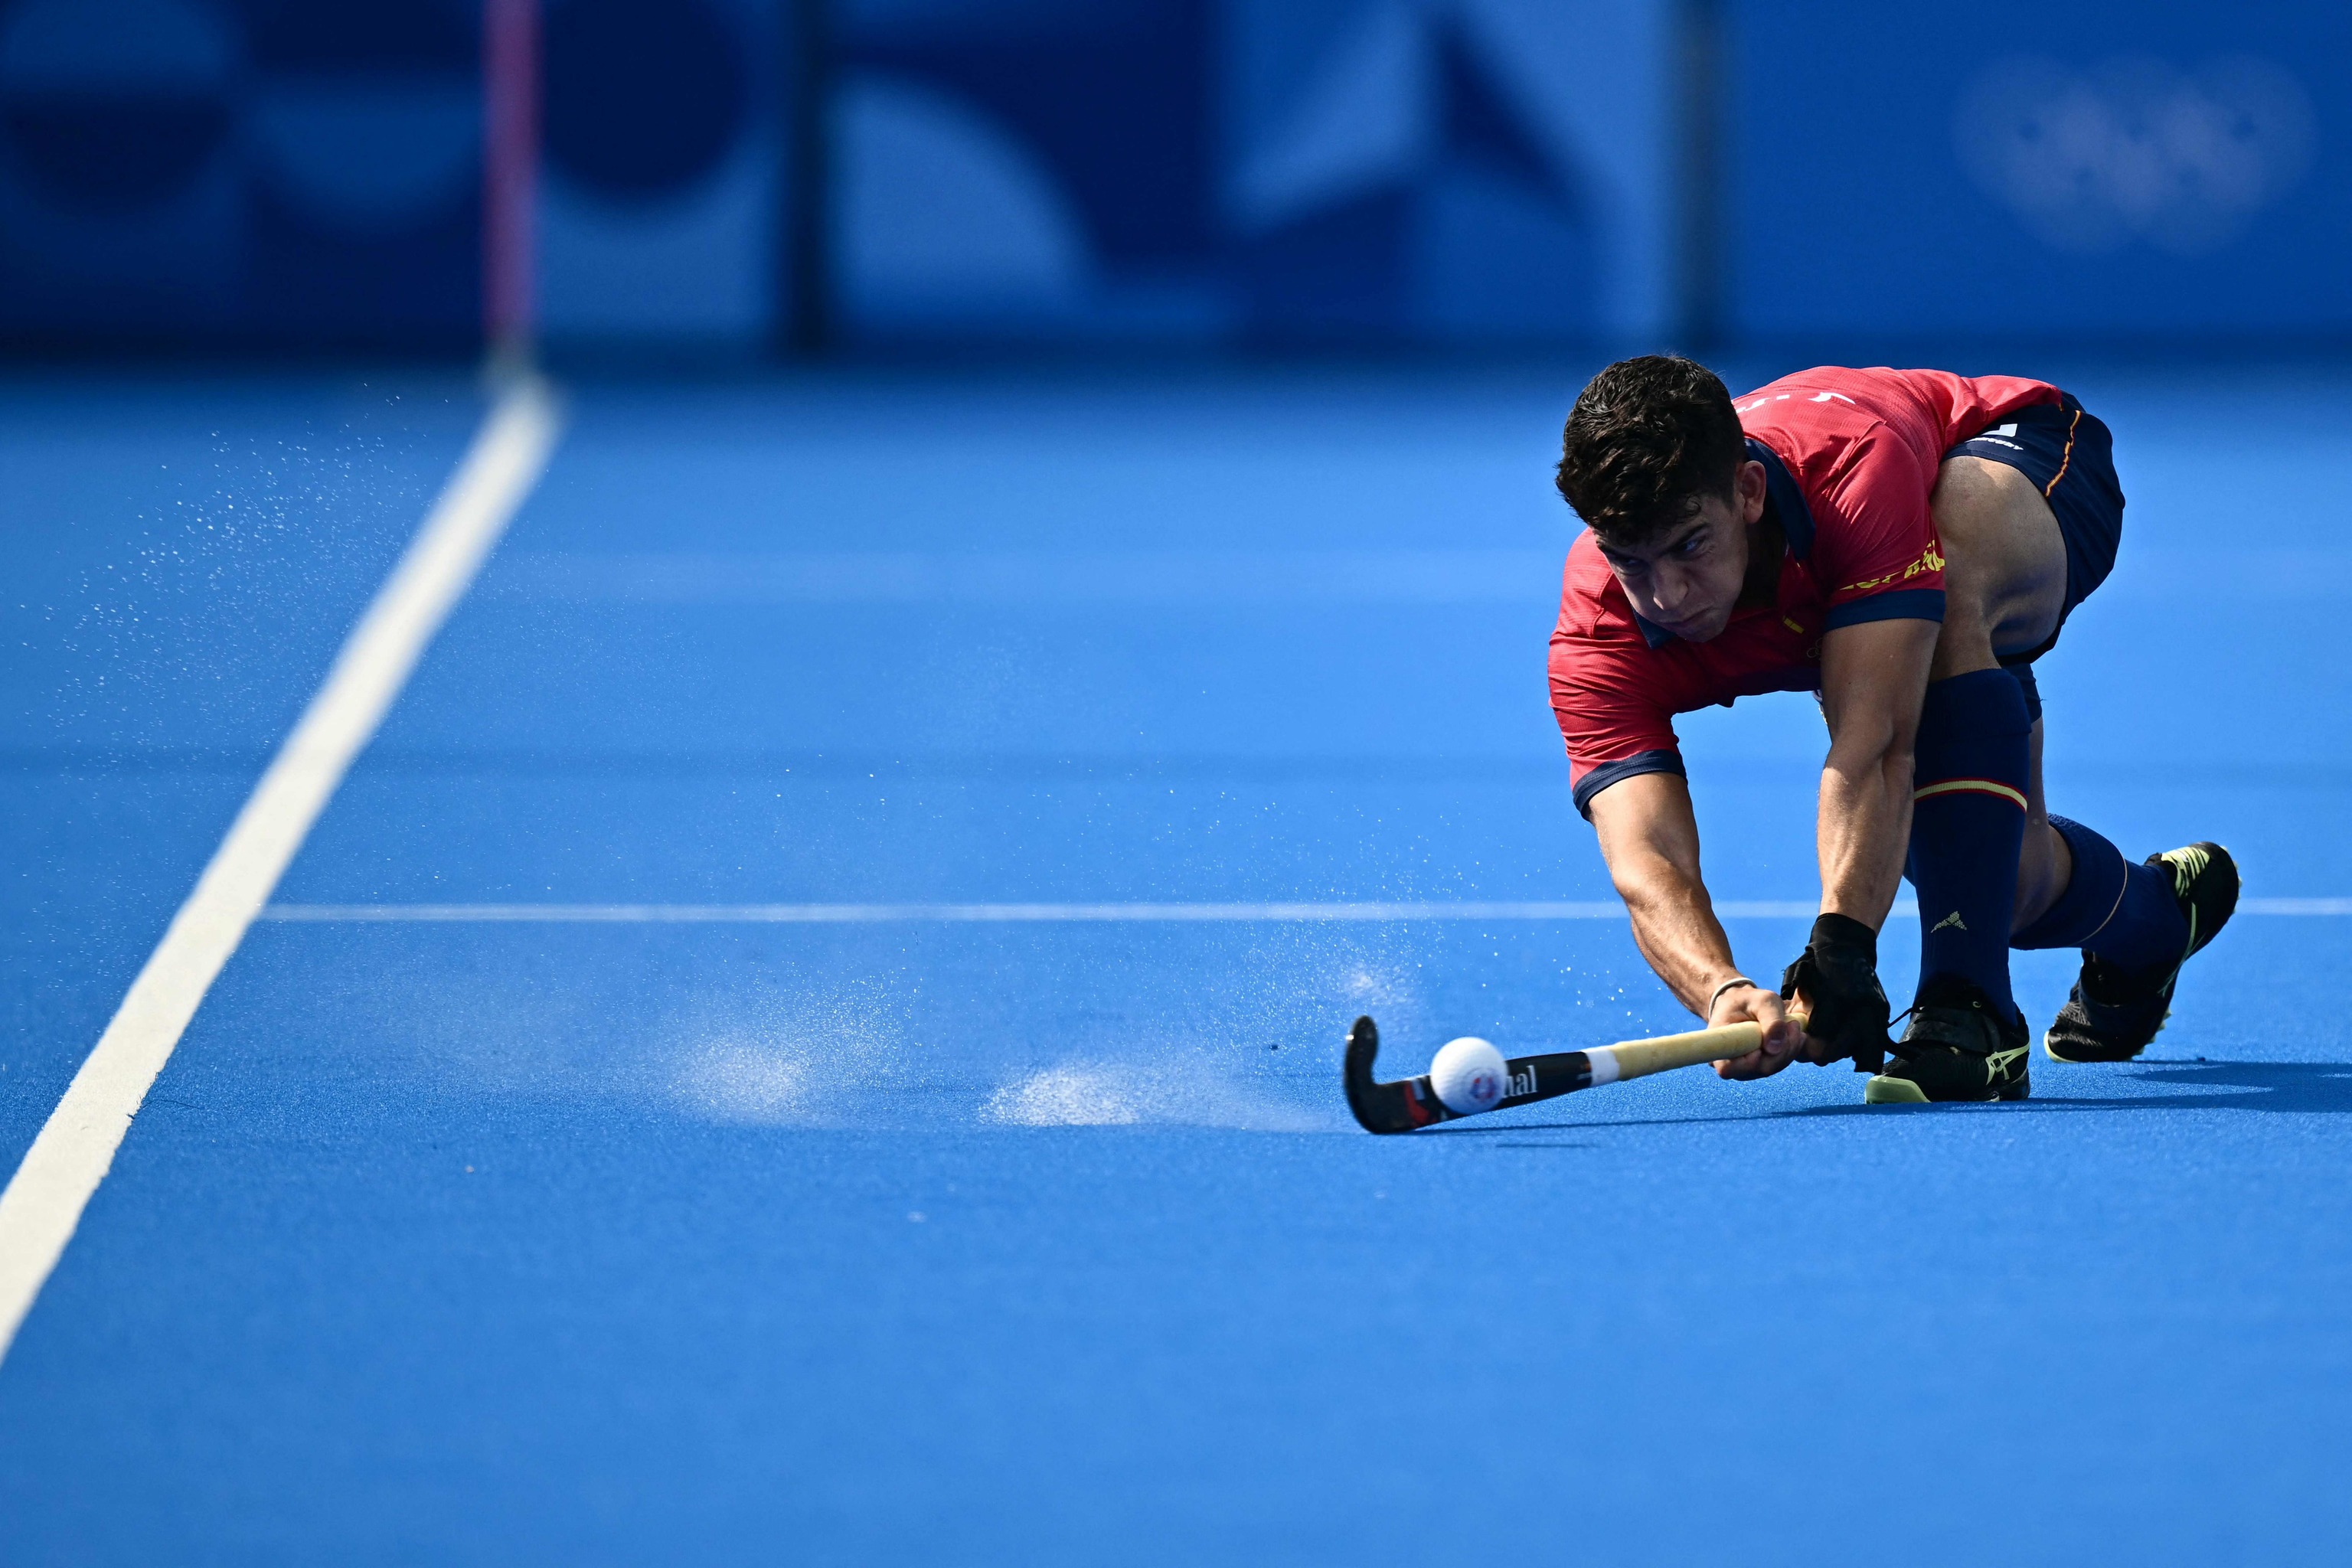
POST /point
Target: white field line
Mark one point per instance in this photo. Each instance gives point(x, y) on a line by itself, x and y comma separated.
point(875, 915)
point(44, 1200)
point(1048, 914)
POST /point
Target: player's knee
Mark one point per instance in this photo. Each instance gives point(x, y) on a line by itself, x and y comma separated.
point(1964, 642)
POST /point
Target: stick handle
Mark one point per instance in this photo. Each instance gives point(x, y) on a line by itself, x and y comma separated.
point(1639, 1059)
point(1664, 1053)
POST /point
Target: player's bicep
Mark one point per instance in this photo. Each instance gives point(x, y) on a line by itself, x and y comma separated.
point(1646, 826)
point(1873, 679)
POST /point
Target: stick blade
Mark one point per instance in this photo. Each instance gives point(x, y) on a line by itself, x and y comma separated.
point(1404, 1106)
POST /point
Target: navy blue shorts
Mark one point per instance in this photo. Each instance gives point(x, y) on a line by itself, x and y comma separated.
point(2070, 456)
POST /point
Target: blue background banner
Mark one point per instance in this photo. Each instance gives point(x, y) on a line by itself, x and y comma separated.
point(2110, 171)
point(296, 173)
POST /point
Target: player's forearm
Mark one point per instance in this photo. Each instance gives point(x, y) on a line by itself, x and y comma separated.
point(1650, 838)
point(1674, 926)
point(1865, 823)
point(1874, 675)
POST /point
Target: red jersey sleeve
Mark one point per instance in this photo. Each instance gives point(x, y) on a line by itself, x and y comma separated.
point(1616, 725)
point(1876, 555)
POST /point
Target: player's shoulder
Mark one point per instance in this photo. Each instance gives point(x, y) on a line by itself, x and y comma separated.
point(1931, 406)
point(1862, 383)
point(1826, 397)
point(1821, 423)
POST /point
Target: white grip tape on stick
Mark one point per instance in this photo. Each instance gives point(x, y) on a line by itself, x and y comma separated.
point(44, 1200)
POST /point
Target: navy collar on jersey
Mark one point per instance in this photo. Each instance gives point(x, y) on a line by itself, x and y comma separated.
point(1783, 501)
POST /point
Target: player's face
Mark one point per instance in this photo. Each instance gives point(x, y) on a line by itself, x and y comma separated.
point(1688, 581)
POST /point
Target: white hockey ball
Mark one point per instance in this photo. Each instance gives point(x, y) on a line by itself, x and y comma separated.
point(1470, 1075)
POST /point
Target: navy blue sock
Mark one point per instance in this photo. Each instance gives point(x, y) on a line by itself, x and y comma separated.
point(2123, 914)
point(1967, 824)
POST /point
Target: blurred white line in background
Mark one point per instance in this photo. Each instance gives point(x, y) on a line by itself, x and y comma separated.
point(1142, 577)
point(872, 914)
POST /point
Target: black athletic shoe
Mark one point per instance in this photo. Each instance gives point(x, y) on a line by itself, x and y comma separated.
point(2115, 1013)
point(1957, 1048)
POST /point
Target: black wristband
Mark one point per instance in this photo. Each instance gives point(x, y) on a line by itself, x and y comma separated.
point(1838, 971)
point(1845, 937)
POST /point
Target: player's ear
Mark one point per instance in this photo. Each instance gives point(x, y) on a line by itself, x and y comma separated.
point(1747, 486)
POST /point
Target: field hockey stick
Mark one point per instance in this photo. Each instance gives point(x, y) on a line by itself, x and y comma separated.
point(1408, 1105)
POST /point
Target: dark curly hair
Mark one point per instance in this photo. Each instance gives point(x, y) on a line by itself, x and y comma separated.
point(1647, 439)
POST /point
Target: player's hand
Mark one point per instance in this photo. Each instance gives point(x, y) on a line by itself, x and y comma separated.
point(1784, 1039)
point(1836, 979)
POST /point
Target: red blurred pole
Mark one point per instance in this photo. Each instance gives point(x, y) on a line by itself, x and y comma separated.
point(509, 178)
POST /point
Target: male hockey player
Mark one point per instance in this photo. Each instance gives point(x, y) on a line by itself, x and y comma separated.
point(1906, 543)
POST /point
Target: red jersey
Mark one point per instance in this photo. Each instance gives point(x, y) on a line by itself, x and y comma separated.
point(1850, 458)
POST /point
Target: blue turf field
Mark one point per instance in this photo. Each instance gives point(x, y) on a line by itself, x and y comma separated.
point(1016, 1242)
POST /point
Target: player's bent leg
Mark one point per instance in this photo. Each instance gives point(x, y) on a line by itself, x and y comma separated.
point(2004, 564)
point(2137, 926)
point(2032, 515)
point(2004, 579)
point(2045, 864)
point(1966, 1039)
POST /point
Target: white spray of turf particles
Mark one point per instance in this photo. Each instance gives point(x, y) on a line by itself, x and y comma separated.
point(1192, 1088)
point(1254, 1049)
point(1073, 1096)
point(795, 1055)
point(737, 1080)
point(779, 1049)
point(804, 1041)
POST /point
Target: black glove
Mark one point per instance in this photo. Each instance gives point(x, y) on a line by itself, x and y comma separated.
point(1838, 973)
